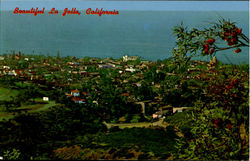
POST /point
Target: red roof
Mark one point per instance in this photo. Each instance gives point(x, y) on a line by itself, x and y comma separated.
point(85, 93)
point(125, 94)
point(18, 71)
point(77, 99)
point(74, 91)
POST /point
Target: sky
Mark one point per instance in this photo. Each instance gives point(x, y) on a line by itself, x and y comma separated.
point(128, 5)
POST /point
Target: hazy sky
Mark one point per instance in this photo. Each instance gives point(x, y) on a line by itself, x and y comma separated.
point(127, 5)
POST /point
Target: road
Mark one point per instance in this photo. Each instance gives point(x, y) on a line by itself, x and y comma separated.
point(160, 123)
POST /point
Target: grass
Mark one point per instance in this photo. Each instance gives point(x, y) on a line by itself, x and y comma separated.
point(179, 119)
point(183, 121)
point(158, 141)
point(29, 108)
point(6, 93)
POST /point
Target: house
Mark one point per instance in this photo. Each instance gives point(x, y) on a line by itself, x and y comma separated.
point(1, 58)
point(130, 70)
point(86, 93)
point(94, 74)
point(78, 100)
point(138, 84)
point(6, 67)
point(105, 66)
point(75, 93)
point(18, 56)
point(127, 58)
point(179, 109)
point(73, 63)
point(157, 115)
point(12, 73)
point(163, 111)
point(46, 99)
point(84, 73)
point(125, 94)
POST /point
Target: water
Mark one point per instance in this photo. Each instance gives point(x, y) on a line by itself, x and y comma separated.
point(147, 34)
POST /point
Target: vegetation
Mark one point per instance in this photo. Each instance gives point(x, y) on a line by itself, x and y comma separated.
point(91, 108)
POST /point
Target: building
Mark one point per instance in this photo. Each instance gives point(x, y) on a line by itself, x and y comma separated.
point(179, 109)
point(75, 93)
point(78, 100)
point(130, 70)
point(127, 58)
point(46, 99)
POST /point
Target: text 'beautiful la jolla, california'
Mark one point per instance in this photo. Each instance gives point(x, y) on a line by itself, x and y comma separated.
point(66, 11)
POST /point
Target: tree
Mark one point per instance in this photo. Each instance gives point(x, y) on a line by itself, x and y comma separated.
point(207, 41)
point(220, 118)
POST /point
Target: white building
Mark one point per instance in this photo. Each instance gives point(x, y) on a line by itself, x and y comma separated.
point(130, 70)
point(127, 58)
point(46, 99)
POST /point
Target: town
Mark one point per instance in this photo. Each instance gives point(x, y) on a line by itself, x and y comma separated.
point(93, 104)
point(71, 76)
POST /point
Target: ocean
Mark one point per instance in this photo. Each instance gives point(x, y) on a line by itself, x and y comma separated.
point(148, 34)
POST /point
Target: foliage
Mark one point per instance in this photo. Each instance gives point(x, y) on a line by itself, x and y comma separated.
point(220, 119)
point(13, 154)
point(68, 153)
point(214, 136)
point(160, 142)
point(77, 153)
point(183, 96)
point(135, 119)
point(207, 41)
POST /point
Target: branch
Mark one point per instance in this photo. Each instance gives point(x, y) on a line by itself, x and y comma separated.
point(245, 38)
point(228, 47)
point(243, 43)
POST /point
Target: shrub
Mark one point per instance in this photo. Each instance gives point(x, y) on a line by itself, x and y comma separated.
point(135, 119)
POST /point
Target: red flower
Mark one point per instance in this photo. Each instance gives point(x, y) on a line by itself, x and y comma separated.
point(231, 83)
point(236, 81)
point(233, 34)
point(229, 43)
point(226, 39)
point(205, 48)
point(216, 121)
point(216, 125)
point(228, 87)
point(238, 30)
point(234, 40)
point(211, 51)
point(226, 34)
point(229, 126)
point(210, 41)
point(237, 50)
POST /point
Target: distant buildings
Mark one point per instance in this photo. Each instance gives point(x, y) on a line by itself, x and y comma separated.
point(75, 94)
point(127, 58)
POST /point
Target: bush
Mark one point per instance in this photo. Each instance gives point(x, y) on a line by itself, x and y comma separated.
point(135, 119)
point(13, 154)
